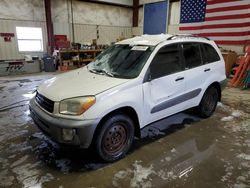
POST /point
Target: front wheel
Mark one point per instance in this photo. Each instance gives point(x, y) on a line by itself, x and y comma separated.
point(208, 102)
point(114, 138)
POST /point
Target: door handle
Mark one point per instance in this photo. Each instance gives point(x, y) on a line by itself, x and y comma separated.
point(179, 78)
point(206, 70)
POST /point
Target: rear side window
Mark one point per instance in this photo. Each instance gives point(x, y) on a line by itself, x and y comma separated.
point(209, 54)
point(166, 61)
point(192, 55)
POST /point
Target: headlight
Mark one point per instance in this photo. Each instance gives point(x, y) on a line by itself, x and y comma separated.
point(76, 106)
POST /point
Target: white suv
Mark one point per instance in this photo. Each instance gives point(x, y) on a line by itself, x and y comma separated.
point(130, 85)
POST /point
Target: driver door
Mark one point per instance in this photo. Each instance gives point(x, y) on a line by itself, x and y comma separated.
point(166, 84)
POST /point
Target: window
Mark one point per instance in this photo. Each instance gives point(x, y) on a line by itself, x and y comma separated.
point(29, 39)
point(192, 56)
point(166, 61)
point(209, 54)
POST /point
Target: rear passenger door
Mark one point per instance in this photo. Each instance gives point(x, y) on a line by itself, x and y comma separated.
point(194, 71)
point(210, 58)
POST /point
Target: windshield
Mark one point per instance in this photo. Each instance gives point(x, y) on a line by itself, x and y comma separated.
point(122, 61)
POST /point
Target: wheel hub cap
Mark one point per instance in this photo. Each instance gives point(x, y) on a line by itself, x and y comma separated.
point(115, 139)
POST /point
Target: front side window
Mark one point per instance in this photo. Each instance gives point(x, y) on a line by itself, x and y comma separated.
point(209, 54)
point(167, 61)
point(122, 61)
point(29, 39)
point(192, 55)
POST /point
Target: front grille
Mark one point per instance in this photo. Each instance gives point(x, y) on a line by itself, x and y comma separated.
point(45, 103)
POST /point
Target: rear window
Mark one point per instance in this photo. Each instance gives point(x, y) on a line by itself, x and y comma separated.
point(209, 54)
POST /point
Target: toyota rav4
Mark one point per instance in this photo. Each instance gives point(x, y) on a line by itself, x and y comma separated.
point(130, 85)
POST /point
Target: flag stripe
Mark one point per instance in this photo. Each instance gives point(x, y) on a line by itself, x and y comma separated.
point(222, 9)
point(228, 4)
point(229, 42)
point(228, 17)
point(220, 1)
point(244, 20)
point(219, 30)
point(231, 38)
point(216, 26)
point(227, 13)
point(244, 33)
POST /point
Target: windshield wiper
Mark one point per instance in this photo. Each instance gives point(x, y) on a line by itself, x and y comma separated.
point(101, 71)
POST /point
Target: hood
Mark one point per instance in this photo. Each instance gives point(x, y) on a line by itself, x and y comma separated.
point(76, 83)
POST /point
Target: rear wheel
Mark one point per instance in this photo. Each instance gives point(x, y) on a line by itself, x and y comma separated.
point(114, 138)
point(208, 102)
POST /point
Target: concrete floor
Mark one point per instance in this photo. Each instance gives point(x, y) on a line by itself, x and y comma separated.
point(193, 152)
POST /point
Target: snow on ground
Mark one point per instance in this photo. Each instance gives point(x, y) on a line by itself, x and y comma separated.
point(228, 118)
point(238, 123)
point(234, 113)
point(244, 156)
point(237, 113)
point(141, 176)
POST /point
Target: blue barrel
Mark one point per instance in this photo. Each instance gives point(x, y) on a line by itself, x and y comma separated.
point(49, 64)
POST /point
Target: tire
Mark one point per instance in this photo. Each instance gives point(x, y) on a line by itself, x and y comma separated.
point(208, 102)
point(114, 138)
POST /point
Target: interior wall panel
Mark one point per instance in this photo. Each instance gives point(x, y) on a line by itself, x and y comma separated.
point(84, 33)
point(107, 34)
point(96, 14)
point(137, 31)
point(111, 34)
point(140, 18)
point(122, 2)
point(174, 18)
point(9, 50)
point(60, 11)
point(113, 22)
point(62, 29)
point(22, 9)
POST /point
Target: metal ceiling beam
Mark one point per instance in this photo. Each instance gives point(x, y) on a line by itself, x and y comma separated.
point(106, 3)
point(136, 7)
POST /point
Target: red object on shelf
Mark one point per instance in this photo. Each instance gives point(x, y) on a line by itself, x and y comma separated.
point(61, 41)
point(61, 37)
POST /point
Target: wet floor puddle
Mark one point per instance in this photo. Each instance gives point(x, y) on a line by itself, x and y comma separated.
point(180, 151)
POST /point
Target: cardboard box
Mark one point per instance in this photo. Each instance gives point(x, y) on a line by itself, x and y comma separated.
point(230, 59)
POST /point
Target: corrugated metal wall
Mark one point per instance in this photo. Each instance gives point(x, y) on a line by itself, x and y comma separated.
point(9, 50)
point(174, 19)
point(111, 21)
point(108, 33)
point(83, 34)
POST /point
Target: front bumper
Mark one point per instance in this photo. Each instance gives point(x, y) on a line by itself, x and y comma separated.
point(53, 126)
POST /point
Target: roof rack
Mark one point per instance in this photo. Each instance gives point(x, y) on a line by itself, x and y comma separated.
point(186, 35)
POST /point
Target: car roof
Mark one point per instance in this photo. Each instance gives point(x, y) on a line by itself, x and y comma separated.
point(149, 40)
point(153, 40)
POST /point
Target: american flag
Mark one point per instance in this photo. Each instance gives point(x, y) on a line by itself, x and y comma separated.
point(224, 21)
